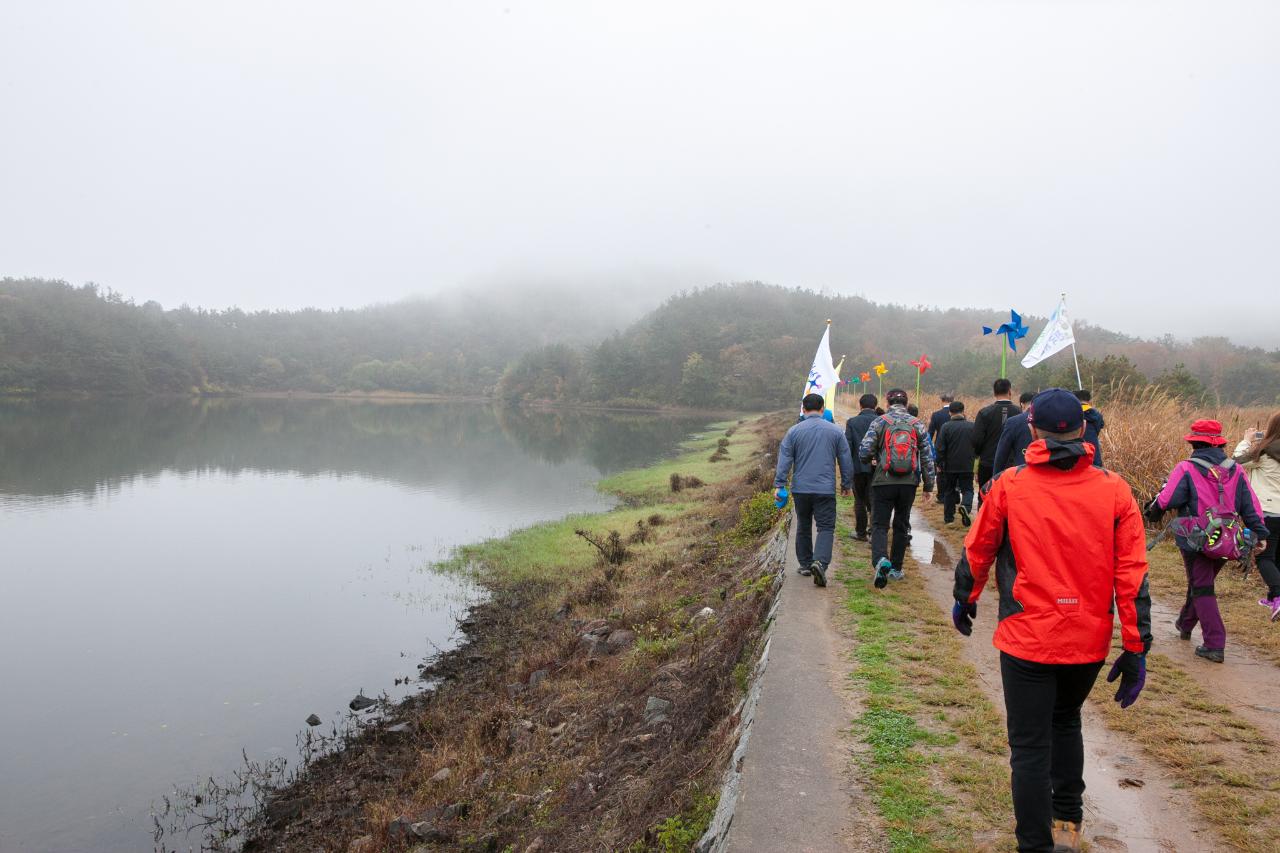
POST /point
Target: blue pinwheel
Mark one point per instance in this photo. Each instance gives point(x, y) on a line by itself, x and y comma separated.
point(1011, 331)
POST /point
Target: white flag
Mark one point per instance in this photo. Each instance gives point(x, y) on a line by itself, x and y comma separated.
point(1057, 336)
point(822, 376)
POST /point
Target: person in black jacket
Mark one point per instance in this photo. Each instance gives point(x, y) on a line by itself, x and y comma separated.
point(854, 429)
point(1015, 438)
point(1093, 424)
point(940, 417)
point(987, 427)
point(955, 465)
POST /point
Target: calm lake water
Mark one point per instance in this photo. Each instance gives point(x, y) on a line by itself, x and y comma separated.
point(183, 579)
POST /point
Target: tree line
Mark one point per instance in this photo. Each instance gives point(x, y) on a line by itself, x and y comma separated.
point(745, 345)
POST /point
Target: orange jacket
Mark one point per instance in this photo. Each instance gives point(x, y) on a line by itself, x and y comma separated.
point(1067, 541)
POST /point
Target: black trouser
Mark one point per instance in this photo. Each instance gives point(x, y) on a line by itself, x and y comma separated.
point(891, 500)
point(861, 502)
point(985, 473)
point(1267, 559)
point(953, 486)
point(1043, 702)
point(811, 508)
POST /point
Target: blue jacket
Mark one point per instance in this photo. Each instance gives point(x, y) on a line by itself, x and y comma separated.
point(854, 429)
point(1015, 438)
point(1094, 424)
point(812, 447)
point(936, 421)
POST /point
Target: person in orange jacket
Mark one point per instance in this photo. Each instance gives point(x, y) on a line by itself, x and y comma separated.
point(1067, 542)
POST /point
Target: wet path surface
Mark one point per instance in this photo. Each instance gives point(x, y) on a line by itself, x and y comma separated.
point(1149, 817)
point(1247, 683)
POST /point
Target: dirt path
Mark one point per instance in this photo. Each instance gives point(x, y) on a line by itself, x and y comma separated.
point(796, 792)
point(1247, 683)
point(1148, 817)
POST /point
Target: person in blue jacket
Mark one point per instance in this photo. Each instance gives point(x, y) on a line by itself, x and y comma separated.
point(1093, 424)
point(809, 453)
point(1015, 437)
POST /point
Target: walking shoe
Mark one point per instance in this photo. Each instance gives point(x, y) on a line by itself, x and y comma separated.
point(1066, 837)
point(882, 572)
point(860, 537)
point(896, 574)
point(1214, 655)
point(819, 574)
point(965, 518)
point(1273, 604)
point(805, 569)
point(1182, 635)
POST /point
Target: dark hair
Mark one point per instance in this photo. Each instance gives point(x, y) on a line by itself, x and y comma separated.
point(1002, 386)
point(1026, 397)
point(813, 403)
point(1270, 437)
point(956, 408)
point(868, 401)
point(879, 411)
point(896, 395)
point(913, 410)
point(946, 398)
point(1083, 395)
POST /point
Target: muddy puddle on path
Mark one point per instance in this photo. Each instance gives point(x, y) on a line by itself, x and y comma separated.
point(1129, 804)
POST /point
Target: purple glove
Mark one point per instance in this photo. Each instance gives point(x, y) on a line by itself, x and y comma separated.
point(962, 615)
point(1131, 669)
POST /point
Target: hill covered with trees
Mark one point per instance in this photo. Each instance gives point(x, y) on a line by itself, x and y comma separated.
point(743, 345)
point(750, 345)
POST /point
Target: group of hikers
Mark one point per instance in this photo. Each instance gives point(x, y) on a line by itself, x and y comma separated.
point(1066, 539)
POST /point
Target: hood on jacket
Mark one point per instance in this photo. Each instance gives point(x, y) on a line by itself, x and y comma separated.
point(1212, 455)
point(1059, 454)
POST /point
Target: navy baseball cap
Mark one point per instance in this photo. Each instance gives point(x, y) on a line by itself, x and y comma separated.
point(1056, 410)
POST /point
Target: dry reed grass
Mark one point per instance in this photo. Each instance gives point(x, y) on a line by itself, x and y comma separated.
point(1143, 437)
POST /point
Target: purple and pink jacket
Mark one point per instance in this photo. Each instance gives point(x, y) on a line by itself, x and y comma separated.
point(1180, 492)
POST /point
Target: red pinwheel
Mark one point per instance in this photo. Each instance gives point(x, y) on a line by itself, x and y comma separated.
point(921, 365)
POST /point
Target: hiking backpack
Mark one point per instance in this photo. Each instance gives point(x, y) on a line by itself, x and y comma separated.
point(1216, 530)
point(901, 454)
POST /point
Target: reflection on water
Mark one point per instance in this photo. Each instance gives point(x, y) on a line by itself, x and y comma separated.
point(180, 579)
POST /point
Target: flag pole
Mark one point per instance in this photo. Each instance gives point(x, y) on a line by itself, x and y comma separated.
point(1074, 357)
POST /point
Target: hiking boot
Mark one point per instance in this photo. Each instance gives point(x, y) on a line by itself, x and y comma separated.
point(805, 569)
point(860, 537)
point(1215, 655)
point(1182, 635)
point(1272, 604)
point(882, 572)
point(965, 518)
point(1066, 837)
point(949, 523)
point(819, 574)
point(896, 574)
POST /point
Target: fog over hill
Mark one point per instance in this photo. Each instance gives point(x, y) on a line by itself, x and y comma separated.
point(740, 345)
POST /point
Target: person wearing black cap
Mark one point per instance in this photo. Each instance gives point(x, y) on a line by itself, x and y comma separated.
point(899, 444)
point(1069, 548)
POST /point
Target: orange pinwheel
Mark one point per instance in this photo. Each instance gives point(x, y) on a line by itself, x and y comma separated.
point(865, 376)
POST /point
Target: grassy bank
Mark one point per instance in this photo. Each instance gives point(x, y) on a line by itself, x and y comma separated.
point(592, 705)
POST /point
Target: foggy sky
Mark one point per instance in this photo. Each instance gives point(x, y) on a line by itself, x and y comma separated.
point(273, 154)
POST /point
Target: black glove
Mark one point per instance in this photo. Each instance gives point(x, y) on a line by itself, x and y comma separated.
point(1131, 669)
